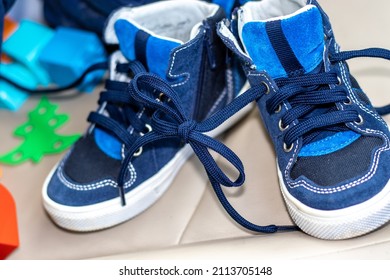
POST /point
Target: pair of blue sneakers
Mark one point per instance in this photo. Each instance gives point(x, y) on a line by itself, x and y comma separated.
point(175, 84)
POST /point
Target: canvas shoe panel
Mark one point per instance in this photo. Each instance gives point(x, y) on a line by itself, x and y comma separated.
point(331, 148)
point(81, 194)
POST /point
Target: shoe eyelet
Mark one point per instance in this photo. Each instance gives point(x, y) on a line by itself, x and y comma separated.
point(138, 152)
point(361, 120)
point(349, 102)
point(148, 129)
point(288, 149)
point(281, 127)
point(140, 149)
point(278, 109)
point(267, 87)
point(339, 81)
point(160, 97)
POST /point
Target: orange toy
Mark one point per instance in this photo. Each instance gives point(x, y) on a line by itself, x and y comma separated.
point(9, 237)
point(9, 28)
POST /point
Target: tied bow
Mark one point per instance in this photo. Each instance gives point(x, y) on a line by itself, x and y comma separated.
point(170, 121)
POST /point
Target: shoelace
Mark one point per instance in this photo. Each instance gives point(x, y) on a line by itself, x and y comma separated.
point(308, 92)
point(170, 121)
point(371, 52)
point(126, 119)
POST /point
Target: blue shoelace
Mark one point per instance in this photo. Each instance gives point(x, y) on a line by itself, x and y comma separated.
point(304, 93)
point(170, 121)
point(126, 119)
point(309, 92)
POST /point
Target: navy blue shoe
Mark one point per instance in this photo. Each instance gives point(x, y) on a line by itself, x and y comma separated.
point(332, 146)
point(101, 182)
point(92, 14)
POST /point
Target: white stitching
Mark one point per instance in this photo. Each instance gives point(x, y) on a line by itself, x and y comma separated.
point(359, 181)
point(266, 77)
point(94, 186)
point(330, 147)
point(186, 74)
point(377, 154)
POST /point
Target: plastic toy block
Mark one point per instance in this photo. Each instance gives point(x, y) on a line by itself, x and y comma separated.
point(19, 74)
point(11, 97)
point(9, 236)
point(24, 47)
point(69, 53)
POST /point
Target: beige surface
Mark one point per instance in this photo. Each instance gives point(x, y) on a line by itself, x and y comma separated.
point(188, 222)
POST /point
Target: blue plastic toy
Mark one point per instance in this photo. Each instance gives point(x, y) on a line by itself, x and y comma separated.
point(69, 53)
point(11, 98)
point(23, 47)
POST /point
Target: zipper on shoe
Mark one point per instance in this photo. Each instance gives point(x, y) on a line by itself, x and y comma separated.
point(210, 48)
point(209, 51)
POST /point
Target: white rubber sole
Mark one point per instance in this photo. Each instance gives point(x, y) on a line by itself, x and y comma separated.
point(110, 213)
point(345, 223)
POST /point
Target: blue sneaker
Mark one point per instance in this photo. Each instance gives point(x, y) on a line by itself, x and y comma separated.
point(92, 14)
point(332, 147)
point(101, 182)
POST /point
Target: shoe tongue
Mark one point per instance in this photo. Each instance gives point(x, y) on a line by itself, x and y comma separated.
point(288, 46)
point(284, 46)
point(137, 43)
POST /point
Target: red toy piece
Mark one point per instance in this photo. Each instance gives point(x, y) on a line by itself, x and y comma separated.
point(9, 236)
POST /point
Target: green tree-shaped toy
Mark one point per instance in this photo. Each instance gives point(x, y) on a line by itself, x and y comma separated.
point(40, 136)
